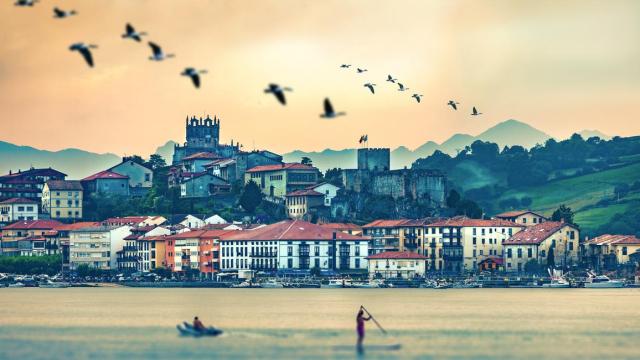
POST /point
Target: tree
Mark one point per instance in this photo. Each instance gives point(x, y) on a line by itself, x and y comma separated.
point(526, 201)
point(453, 199)
point(306, 161)
point(563, 213)
point(251, 197)
point(333, 176)
point(135, 158)
point(156, 161)
point(551, 261)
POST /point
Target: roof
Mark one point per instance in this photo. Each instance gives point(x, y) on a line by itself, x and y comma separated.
point(397, 255)
point(496, 260)
point(305, 192)
point(18, 201)
point(201, 156)
point(106, 174)
point(608, 239)
point(33, 224)
point(200, 234)
point(35, 172)
point(313, 187)
point(78, 225)
point(285, 166)
point(421, 222)
point(342, 226)
point(461, 221)
point(385, 223)
point(292, 230)
point(516, 213)
point(223, 161)
point(132, 220)
point(536, 234)
point(64, 185)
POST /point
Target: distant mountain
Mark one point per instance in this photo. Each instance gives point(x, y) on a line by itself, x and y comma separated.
point(77, 164)
point(166, 151)
point(591, 133)
point(507, 133)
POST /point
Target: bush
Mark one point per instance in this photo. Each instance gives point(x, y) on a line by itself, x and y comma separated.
point(31, 265)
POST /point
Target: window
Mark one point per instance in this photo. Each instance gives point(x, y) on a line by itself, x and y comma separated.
point(290, 263)
point(509, 253)
point(624, 250)
point(357, 265)
point(147, 177)
point(289, 251)
point(529, 252)
point(519, 254)
point(474, 239)
point(316, 263)
point(524, 220)
point(570, 245)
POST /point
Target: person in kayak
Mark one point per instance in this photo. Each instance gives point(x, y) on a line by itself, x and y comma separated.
point(360, 319)
point(197, 324)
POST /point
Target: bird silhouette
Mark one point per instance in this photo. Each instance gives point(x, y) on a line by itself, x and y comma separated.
point(83, 49)
point(61, 14)
point(391, 79)
point(329, 113)
point(278, 92)
point(158, 54)
point(401, 87)
point(370, 86)
point(360, 71)
point(345, 66)
point(453, 104)
point(25, 2)
point(475, 112)
point(194, 75)
point(131, 33)
point(417, 97)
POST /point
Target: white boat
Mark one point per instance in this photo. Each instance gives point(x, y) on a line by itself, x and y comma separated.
point(337, 283)
point(16, 285)
point(602, 282)
point(271, 284)
point(372, 284)
point(557, 280)
point(53, 285)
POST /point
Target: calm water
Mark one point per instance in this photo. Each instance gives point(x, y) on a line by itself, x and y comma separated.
point(123, 323)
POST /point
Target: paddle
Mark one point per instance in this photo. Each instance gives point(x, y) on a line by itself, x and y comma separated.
point(374, 320)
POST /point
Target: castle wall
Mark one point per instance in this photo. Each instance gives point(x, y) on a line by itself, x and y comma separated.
point(375, 159)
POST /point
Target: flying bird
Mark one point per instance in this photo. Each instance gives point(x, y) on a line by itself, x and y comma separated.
point(83, 49)
point(370, 86)
point(453, 104)
point(158, 54)
point(25, 2)
point(278, 92)
point(345, 66)
point(401, 87)
point(417, 97)
point(61, 14)
point(475, 112)
point(360, 71)
point(131, 33)
point(391, 79)
point(329, 113)
point(194, 75)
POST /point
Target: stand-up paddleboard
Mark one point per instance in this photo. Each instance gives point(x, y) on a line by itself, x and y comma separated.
point(371, 347)
point(187, 329)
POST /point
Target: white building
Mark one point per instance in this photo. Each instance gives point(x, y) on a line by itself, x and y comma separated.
point(215, 220)
point(327, 189)
point(140, 176)
point(16, 209)
point(293, 245)
point(192, 222)
point(396, 264)
point(96, 246)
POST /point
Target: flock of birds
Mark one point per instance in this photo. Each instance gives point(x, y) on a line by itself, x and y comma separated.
point(157, 54)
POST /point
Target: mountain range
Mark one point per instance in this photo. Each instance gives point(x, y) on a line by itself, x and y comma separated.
point(78, 164)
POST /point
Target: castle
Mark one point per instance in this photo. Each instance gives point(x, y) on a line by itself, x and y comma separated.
point(203, 135)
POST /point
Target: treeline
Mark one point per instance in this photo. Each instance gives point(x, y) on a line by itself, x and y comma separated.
point(31, 265)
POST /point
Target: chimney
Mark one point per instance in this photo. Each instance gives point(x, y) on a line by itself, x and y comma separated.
point(562, 220)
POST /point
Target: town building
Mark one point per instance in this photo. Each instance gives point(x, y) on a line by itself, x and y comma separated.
point(293, 245)
point(301, 202)
point(384, 234)
point(223, 168)
point(140, 176)
point(607, 251)
point(26, 238)
point(197, 162)
point(397, 264)
point(203, 135)
point(524, 217)
point(59, 239)
point(550, 241)
point(462, 243)
point(16, 209)
point(276, 181)
point(106, 183)
point(249, 160)
point(135, 221)
point(62, 199)
point(215, 220)
point(27, 184)
point(200, 185)
point(97, 246)
point(327, 189)
point(347, 228)
point(195, 251)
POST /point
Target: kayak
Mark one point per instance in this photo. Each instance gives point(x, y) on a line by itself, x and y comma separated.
point(188, 330)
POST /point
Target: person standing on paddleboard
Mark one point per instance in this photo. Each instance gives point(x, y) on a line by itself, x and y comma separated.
point(360, 319)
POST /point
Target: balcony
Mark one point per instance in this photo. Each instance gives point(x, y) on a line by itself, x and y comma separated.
point(304, 253)
point(130, 248)
point(411, 245)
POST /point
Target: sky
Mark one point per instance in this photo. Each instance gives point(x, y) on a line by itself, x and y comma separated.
point(560, 66)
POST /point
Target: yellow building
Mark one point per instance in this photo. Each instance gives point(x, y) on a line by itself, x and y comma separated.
point(276, 181)
point(62, 199)
point(299, 202)
point(611, 250)
point(535, 243)
point(524, 217)
point(413, 237)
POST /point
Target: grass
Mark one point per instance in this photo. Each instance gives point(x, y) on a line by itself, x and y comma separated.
point(593, 218)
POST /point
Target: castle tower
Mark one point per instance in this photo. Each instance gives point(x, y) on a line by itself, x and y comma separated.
point(203, 133)
point(374, 159)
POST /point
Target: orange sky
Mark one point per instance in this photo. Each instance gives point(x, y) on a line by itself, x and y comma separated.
point(560, 66)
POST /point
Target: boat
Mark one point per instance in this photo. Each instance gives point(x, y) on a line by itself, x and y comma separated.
point(337, 283)
point(372, 284)
point(602, 282)
point(245, 284)
point(271, 284)
point(187, 329)
point(16, 285)
point(557, 280)
point(53, 285)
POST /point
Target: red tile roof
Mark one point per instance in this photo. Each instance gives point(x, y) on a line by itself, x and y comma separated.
point(304, 192)
point(385, 223)
point(130, 220)
point(18, 201)
point(78, 225)
point(64, 185)
point(292, 230)
point(516, 213)
point(287, 166)
point(496, 260)
point(197, 234)
point(342, 226)
point(106, 174)
point(201, 156)
point(608, 239)
point(461, 221)
point(536, 234)
point(397, 255)
point(33, 224)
